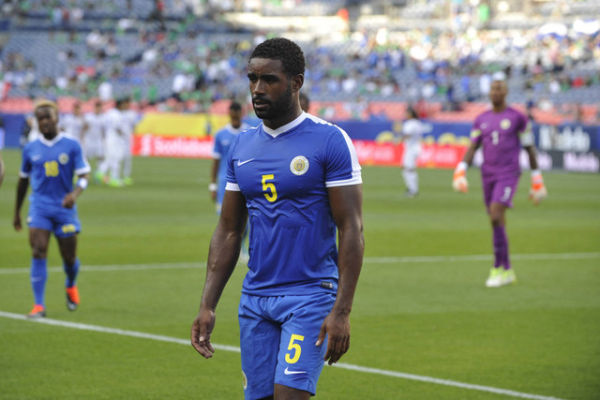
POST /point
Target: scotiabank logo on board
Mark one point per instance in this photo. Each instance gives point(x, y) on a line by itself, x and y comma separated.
point(368, 152)
point(172, 146)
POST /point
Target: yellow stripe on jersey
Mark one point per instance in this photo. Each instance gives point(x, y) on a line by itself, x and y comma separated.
point(475, 133)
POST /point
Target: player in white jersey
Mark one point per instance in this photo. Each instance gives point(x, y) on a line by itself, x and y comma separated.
point(298, 179)
point(412, 131)
point(130, 119)
point(93, 137)
point(115, 128)
point(73, 125)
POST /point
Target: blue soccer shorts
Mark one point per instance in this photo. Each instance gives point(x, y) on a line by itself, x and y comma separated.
point(62, 221)
point(277, 339)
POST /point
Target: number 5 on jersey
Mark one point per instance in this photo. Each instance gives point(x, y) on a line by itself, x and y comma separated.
point(295, 348)
point(269, 188)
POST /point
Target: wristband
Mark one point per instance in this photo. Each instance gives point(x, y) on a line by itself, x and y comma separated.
point(212, 187)
point(82, 183)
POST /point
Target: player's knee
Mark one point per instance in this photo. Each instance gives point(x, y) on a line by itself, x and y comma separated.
point(69, 260)
point(496, 218)
point(39, 251)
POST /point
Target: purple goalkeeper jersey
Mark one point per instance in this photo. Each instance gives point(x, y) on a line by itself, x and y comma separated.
point(498, 133)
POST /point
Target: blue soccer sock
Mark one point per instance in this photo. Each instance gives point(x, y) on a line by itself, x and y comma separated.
point(38, 276)
point(71, 272)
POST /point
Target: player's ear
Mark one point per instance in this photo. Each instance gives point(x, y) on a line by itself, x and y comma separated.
point(297, 82)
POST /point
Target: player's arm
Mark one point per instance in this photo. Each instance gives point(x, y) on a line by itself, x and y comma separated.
point(222, 256)
point(346, 208)
point(22, 187)
point(81, 184)
point(538, 191)
point(212, 186)
point(459, 178)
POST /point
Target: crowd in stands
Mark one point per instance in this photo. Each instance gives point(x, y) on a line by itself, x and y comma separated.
point(191, 66)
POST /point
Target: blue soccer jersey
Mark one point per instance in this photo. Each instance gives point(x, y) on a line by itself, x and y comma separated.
point(50, 166)
point(223, 141)
point(283, 175)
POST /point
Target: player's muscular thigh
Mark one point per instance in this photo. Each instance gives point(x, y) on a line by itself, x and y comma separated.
point(38, 239)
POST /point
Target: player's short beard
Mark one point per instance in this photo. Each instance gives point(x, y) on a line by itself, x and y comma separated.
point(278, 108)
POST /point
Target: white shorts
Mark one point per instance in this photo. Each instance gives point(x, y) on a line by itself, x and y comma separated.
point(411, 154)
point(93, 149)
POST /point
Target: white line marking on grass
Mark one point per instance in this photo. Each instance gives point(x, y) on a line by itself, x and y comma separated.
point(234, 349)
point(367, 260)
point(445, 382)
point(480, 257)
point(114, 331)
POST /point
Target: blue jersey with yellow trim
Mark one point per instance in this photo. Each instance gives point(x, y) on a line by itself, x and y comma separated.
point(50, 166)
point(284, 175)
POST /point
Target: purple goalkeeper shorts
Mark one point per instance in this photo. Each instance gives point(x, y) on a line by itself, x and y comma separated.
point(499, 189)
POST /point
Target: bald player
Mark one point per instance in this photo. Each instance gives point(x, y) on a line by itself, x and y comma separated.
point(501, 132)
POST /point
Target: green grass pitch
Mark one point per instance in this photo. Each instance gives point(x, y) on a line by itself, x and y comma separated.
point(416, 311)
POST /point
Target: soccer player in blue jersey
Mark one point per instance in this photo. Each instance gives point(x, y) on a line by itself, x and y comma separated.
point(50, 162)
point(298, 179)
point(223, 141)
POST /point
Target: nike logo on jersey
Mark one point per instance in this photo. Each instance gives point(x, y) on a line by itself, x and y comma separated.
point(240, 163)
point(36, 157)
point(288, 372)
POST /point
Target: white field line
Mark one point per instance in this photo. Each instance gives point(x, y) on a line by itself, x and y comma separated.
point(481, 257)
point(367, 260)
point(358, 368)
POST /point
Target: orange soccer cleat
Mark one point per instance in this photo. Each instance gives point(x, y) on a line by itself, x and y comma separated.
point(38, 311)
point(72, 298)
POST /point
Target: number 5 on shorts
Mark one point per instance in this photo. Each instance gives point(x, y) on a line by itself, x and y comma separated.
point(295, 347)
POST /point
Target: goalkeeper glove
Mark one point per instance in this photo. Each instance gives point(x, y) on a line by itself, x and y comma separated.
point(538, 191)
point(459, 181)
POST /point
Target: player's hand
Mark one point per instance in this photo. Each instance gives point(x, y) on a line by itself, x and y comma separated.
point(69, 200)
point(337, 327)
point(459, 180)
point(201, 329)
point(212, 189)
point(17, 222)
point(538, 191)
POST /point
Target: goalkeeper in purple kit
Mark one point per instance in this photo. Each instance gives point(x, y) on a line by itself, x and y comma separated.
point(501, 132)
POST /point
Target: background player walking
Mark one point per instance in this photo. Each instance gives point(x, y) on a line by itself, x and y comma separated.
point(298, 179)
point(501, 132)
point(51, 162)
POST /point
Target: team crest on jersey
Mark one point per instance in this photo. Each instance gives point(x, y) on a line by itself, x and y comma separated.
point(63, 158)
point(505, 123)
point(299, 165)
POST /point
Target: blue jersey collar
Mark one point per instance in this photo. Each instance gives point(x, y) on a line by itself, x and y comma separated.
point(284, 128)
point(52, 142)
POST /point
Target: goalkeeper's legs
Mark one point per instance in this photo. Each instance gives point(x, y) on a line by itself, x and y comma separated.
point(500, 239)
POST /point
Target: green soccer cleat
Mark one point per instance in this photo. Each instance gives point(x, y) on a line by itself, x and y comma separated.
point(99, 177)
point(495, 278)
point(508, 277)
point(115, 183)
